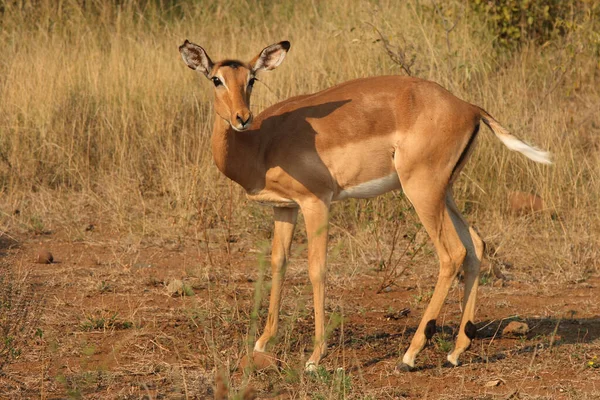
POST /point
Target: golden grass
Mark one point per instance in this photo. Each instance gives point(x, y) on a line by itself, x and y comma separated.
point(100, 120)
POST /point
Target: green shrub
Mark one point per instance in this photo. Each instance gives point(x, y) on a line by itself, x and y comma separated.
point(517, 21)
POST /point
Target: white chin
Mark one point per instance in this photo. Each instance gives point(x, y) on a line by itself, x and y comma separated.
point(239, 129)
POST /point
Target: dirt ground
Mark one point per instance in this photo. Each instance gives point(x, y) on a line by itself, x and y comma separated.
point(104, 321)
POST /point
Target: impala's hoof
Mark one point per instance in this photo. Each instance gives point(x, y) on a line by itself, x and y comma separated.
point(448, 364)
point(310, 367)
point(453, 360)
point(402, 368)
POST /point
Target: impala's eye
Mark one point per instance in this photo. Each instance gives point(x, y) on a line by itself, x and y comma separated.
point(217, 81)
point(251, 82)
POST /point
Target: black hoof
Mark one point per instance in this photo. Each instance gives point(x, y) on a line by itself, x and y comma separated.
point(448, 364)
point(402, 368)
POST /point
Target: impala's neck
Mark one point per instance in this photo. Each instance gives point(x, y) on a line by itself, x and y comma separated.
point(236, 154)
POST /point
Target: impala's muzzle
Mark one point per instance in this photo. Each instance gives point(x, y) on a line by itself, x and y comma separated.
point(241, 120)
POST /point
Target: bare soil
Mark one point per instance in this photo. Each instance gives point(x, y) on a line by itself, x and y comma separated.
point(101, 324)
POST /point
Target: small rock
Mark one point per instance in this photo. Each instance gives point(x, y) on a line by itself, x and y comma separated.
point(521, 203)
point(515, 328)
point(260, 360)
point(555, 339)
point(397, 315)
point(493, 383)
point(497, 272)
point(175, 287)
point(44, 257)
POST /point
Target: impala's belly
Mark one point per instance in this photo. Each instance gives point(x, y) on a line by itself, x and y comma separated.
point(269, 198)
point(372, 188)
point(364, 169)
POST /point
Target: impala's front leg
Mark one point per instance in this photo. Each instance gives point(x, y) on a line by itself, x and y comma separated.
point(316, 215)
point(285, 221)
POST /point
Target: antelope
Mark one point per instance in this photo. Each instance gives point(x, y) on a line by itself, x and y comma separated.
point(359, 139)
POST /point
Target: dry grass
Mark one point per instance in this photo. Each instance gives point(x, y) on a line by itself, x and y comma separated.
point(102, 124)
point(100, 116)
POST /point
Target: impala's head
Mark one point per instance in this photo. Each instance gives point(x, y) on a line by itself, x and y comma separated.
point(233, 79)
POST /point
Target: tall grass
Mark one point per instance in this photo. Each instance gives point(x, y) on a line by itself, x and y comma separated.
point(100, 118)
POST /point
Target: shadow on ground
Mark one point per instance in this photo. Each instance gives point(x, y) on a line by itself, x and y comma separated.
point(543, 333)
point(7, 243)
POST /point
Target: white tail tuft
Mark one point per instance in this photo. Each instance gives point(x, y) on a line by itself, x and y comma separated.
point(514, 143)
point(533, 153)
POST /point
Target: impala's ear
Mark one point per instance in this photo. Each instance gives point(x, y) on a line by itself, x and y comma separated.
point(195, 57)
point(270, 57)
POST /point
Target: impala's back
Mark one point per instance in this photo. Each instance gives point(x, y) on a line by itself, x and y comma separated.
point(352, 137)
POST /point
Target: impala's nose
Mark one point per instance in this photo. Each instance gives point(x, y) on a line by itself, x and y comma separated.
point(244, 120)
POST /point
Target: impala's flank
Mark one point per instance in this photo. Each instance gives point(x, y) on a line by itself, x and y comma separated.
point(358, 139)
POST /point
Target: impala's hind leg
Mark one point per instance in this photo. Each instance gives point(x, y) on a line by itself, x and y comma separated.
point(475, 247)
point(427, 193)
point(285, 221)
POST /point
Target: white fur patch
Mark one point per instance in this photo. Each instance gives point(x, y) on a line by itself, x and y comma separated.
point(528, 151)
point(515, 144)
point(370, 189)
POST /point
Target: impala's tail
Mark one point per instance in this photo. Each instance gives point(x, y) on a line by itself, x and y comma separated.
point(514, 143)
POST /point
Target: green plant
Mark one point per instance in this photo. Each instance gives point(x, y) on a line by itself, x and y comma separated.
point(104, 287)
point(485, 278)
point(339, 382)
point(104, 320)
point(37, 225)
point(443, 342)
point(518, 21)
point(187, 290)
point(291, 375)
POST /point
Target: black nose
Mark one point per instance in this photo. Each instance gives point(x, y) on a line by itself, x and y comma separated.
point(241, 120)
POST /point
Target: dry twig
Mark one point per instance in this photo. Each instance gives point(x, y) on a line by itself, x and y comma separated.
point(396, 53)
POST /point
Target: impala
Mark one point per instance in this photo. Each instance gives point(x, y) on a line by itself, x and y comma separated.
point(359, 139)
